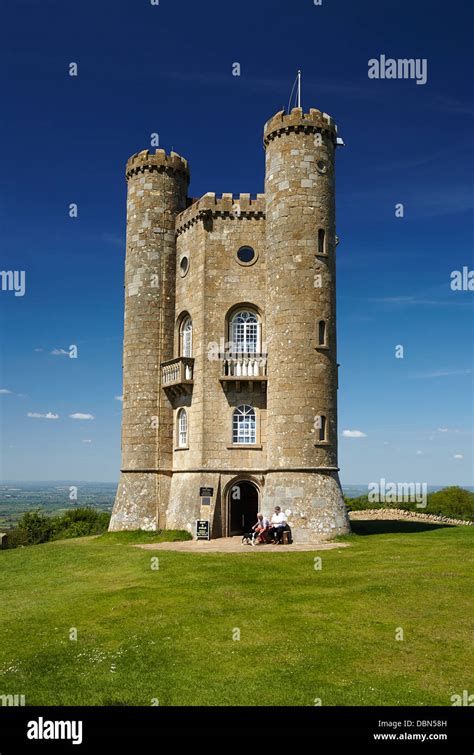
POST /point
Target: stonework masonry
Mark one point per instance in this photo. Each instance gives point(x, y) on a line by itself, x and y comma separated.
point(212, 333)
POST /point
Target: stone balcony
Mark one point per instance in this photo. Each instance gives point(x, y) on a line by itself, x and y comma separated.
point(177, 376)
point(247, 369)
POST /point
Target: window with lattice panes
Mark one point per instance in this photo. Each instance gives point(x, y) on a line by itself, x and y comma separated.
point(244, 425)
point(244, 333)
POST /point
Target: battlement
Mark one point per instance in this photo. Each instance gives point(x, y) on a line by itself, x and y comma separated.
point(313, 122)
point(158, 161)
point(225, 205)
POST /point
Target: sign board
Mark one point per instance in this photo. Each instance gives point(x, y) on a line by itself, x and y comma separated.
point(208, 492)
point(203, 530)
point(205, 502)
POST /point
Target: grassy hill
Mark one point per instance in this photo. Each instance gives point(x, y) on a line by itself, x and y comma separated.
point(166, 634)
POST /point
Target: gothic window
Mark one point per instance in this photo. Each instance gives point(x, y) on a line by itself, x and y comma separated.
point(244, 333)
point(187, 337)
point(182, 428)
point(244, 425)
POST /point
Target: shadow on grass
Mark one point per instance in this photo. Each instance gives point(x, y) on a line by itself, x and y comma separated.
point(387, 526)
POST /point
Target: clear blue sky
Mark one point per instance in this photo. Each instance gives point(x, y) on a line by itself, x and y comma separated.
point(168, 69)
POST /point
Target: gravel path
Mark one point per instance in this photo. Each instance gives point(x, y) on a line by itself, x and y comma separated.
point(234, 545)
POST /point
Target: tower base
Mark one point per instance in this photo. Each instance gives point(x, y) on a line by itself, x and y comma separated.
point(313, 503)
point(137, 502)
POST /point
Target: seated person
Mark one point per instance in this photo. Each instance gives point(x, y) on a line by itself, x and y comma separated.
point(279, 525)
point(261, 528)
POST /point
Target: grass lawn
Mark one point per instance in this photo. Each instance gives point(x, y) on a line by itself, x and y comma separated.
point(304, 633)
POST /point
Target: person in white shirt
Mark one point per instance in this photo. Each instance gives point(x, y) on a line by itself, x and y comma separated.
point(278, 522)
point(261, 529)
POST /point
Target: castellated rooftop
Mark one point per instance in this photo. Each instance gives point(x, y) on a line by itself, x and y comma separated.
point(314, 121)
point(225, 205)
point(149, 161)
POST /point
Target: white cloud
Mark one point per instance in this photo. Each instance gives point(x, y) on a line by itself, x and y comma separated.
point(114, 239)
point(59, 353)
point(353, 434)
point(419, 453)
point(443, 430)
point(37, 415)
point(118, 398)
point(78, 415)
point(39, 349)
point(86, 440)
point(4, 390)
point(458, 456)
point(442, 373)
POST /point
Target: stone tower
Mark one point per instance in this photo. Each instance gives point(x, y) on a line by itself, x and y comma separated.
point(230, 365)
point(157, 191)
point(301, 320)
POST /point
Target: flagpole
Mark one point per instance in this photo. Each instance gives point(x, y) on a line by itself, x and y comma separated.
point(299, 88)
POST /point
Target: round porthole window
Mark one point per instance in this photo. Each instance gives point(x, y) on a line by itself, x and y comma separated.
point(246, 255)
point(184, 266)
point(322, 166)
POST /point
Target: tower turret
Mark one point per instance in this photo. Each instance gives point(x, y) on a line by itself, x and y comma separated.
point(157, 193)
point(301, 323)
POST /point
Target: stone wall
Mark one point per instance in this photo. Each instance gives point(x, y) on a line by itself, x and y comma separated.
point(416, 516)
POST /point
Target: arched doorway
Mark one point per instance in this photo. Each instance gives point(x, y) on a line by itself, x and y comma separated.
point(243, 500)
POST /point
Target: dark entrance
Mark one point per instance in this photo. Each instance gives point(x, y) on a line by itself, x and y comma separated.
point(243, 505)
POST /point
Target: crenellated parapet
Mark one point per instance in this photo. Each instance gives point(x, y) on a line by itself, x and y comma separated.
point(297, 121)
point(225, 206)
point(157, 161)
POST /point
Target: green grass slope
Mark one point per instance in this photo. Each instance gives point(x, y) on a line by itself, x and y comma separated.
point(167, 634)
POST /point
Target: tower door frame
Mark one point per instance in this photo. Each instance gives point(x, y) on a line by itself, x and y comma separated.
point(237, 481)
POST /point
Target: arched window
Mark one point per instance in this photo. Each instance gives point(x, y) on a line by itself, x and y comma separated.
point(182, 428)
point(187, 337)
point(321, 241)
point(244, 333)
point(244, 425)
point(321, 333)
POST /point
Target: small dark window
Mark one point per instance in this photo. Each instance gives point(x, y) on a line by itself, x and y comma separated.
point(184, 266)
point(321, 241)
point(246, 255)
point(322, 333)
point(322, 166)
point(322, 429)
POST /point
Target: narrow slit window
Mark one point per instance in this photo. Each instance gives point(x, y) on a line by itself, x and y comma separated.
point(322, 428)
point(322, 333)
point(321, 241)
